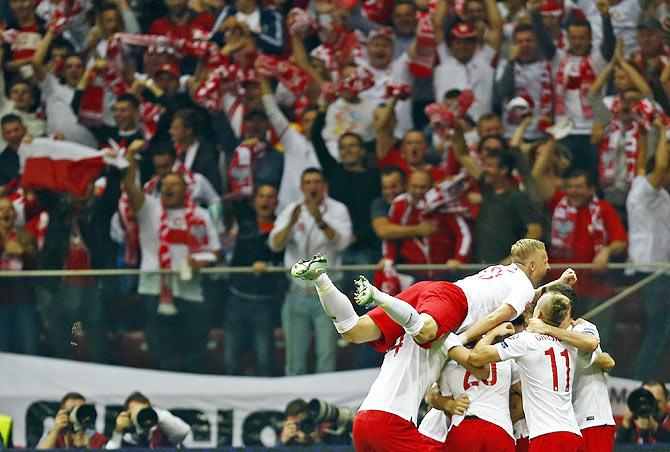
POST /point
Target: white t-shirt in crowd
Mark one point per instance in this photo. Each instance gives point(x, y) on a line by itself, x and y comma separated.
point(547, 371)
point(343, 116)
point(489, 399)
point(590, 396)
point(57, 98)
point(493, 287)
point(477, 74)
point(648, 223)
point(406, 374)
point(202, 230)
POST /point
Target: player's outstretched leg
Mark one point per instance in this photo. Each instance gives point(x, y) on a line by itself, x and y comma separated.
point(400, 311)
point(336, 304)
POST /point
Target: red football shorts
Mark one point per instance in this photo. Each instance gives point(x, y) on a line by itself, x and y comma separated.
point(557, 442)
point(477, 435)
point(379, 431)
point(599, 439)
point(430, 445)
point(522, 444)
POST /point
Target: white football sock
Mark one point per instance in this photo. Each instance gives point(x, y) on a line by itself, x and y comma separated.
point(336, 304)
point(400, 311)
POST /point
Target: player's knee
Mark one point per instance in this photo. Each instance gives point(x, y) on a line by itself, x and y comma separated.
point(428, 331)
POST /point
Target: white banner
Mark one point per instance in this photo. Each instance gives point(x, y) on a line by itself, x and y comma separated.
point(211, 404)
point(216, 401)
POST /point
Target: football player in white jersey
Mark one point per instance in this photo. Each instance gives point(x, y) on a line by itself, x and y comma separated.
point(590, 394)
point(547, 370)
point(486, 423)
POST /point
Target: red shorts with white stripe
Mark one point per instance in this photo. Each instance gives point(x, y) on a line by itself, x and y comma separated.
point(477, 435)
point(445, 302)
point(379, 431)
point(522, 444)
point(557, 442)
point(599, 439)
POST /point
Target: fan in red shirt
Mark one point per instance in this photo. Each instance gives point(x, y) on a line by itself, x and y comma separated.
point(585, 229)
point(182, 22)
point(450, 244)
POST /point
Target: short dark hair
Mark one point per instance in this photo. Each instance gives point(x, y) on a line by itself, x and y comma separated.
point(350, 134)
point(10, 118)
point(575, 21)
point(164, 149)
point(393, 170)
point(295, 407)
point(265, 184)
point(70, 396)
point(656, 382)
point(188, 117)
point(310, 170)
point(501, 139)
point(127, 97)
point(404, 2)
point(255, 114)
point(136, 396)
point(452, 93)
point(521, 28)
point(60, 42)
point(578, 172)
point(487, 116)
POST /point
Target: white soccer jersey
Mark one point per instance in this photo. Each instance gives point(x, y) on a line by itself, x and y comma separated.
point(492, 287)
point(406, 374)
point(435, 425)
point(489, 399)
point(590, 396)
point(547, 371)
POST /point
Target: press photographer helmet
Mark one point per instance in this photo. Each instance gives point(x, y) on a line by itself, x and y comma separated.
point(319, 411)
point(82, 417)
point(642, 403)
point(144, 419)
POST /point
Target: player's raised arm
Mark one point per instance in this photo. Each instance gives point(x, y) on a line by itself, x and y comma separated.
point(484, 352)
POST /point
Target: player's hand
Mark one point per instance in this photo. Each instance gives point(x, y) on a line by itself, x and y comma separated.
point(503, 330)
point(536, 325)
point(123, 422)
point(578, 321)
point(295, 214)
point(459, 405)
point(62, 421)
point(568, 277)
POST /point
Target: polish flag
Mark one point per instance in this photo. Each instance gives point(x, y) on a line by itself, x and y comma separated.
point(61, 166)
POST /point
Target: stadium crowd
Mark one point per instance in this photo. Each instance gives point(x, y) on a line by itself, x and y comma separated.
point(250, 133)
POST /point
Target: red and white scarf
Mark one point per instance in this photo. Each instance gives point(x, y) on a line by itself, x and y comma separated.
point(586, 78)
point(564, 223)
point(614, 133)
point(166, 304)
point(241, 169)
point(131, 250)
point(546, 100)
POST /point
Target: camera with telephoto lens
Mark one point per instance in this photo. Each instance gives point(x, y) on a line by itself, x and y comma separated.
point(320, 411)
point(642, 403)
point(82, 417)
point(144, 419)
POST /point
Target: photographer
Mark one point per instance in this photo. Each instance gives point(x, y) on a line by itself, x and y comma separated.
point(73, 426)
point(646, 420)
point(292, 433)
point(141, 425)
